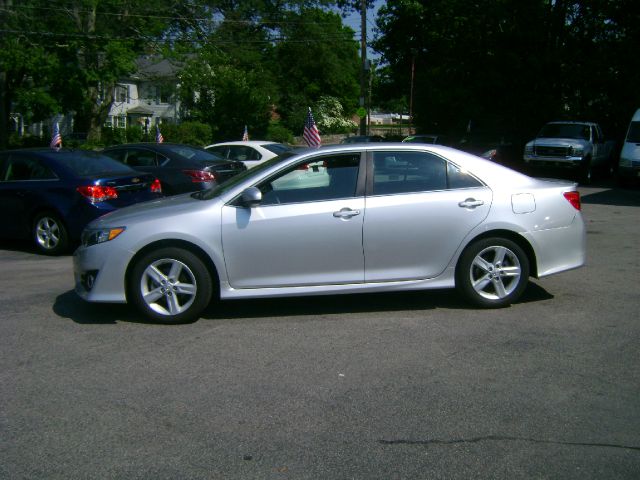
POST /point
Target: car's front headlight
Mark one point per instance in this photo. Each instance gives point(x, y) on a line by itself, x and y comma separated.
point(528, 149)
point(100, 235)
point(577, 151)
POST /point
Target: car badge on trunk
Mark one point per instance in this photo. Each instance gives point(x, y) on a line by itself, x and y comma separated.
point(135, 180)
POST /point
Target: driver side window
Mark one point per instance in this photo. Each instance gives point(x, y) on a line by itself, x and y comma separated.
point(318, 179)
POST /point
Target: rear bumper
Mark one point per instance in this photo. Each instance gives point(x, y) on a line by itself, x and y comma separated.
point(560, 249)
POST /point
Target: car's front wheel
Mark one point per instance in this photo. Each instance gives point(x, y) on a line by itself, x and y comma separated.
point(493, 272)
point(170, 285)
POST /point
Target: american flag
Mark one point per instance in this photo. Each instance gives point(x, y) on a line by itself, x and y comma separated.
point(56, 139)
point(311, 134)
point(245, 135)
point(159, 137)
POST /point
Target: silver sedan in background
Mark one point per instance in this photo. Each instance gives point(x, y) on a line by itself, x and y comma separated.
point(340, 219)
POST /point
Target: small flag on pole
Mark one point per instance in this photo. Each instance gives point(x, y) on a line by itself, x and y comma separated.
point(245, 135)
point(56, 138)
point(311, 134)
point(159, 137)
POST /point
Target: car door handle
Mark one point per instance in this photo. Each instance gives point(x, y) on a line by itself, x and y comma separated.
point(346, 213)
point(471, 203)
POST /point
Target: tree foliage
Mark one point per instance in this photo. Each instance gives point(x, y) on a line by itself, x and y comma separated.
point(511, 65)
point(61, 57)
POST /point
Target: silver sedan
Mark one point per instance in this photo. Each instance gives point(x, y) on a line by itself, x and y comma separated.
point(340, 219)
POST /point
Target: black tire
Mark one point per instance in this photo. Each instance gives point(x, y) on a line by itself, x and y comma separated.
point(170, 285)
point(49, 234)
point(586, 172)
point(492, 272)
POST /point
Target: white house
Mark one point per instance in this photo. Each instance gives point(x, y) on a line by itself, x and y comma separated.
point(148, 97)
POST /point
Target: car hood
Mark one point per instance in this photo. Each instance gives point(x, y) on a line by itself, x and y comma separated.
point(161, 209)
point(559, 142)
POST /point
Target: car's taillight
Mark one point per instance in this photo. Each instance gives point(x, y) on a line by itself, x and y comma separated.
point(156, 186)
point(574, 199)
point(198, 176)
point(98, 193)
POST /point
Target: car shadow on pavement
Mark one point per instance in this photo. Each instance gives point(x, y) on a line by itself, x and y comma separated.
point(622, 197)
point(69, 305)
point(354, 303)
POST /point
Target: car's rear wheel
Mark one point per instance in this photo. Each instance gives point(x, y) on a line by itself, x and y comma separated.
point(49, 234)
point(170, 285)
point(493, 272)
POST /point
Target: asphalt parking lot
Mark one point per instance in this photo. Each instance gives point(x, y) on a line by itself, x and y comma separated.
point(393, 386)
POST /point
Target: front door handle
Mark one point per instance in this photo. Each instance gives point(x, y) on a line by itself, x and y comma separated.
point(346, 213)
point(471, 203)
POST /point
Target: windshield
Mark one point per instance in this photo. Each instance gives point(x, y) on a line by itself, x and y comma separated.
point(277, 148)
point(565, 130)
point(241, 177)
point(634, 132)
point(86, 163)
point(193, 153)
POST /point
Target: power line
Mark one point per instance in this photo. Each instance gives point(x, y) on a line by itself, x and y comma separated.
point(171, 17)
point(88, 36)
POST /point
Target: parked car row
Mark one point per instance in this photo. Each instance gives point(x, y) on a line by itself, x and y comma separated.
point(49, 196)
point(180, 168)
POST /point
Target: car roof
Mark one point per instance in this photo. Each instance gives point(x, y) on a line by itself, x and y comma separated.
point(51, 153)
point(152, 145)
point(493, 173)
point(572, 122)
point(250, 143)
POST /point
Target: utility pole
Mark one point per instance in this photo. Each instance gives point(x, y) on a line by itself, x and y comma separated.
point(363, 55)
point(413, 73)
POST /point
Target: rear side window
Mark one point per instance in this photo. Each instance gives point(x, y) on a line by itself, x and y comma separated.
point(408, 172)
point(140, 158)
point(221, 151)
point(20, 168)
point(242, 153)
point(414, 172)
point(459, 178)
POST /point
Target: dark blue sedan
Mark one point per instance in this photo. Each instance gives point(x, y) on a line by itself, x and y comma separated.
point(48, 196)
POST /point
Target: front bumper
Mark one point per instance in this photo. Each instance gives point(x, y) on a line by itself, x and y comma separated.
point(557, 162)
point(99, 280)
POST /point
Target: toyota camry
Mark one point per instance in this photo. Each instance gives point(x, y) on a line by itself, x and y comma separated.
point(339, 219)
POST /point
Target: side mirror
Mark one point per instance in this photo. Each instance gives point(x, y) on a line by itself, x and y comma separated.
point(251, 197)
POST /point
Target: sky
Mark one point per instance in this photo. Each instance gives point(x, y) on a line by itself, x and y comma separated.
point(354, 22)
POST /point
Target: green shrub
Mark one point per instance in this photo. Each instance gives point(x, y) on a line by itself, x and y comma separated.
point(279, 133)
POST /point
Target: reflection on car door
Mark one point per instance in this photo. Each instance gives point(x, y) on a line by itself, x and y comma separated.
point(419, 208)
point(305, 234)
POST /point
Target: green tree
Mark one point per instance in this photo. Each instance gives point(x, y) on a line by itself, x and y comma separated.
point(510, 65)
point(315, 56)
point(22, 62)
point(69, 57)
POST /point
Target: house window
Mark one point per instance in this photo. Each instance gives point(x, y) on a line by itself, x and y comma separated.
point(109, 122)
point(164, 94)
point(121, 121)
point(122, 93)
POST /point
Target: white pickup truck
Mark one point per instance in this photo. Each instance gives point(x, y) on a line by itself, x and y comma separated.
point(576, 145)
